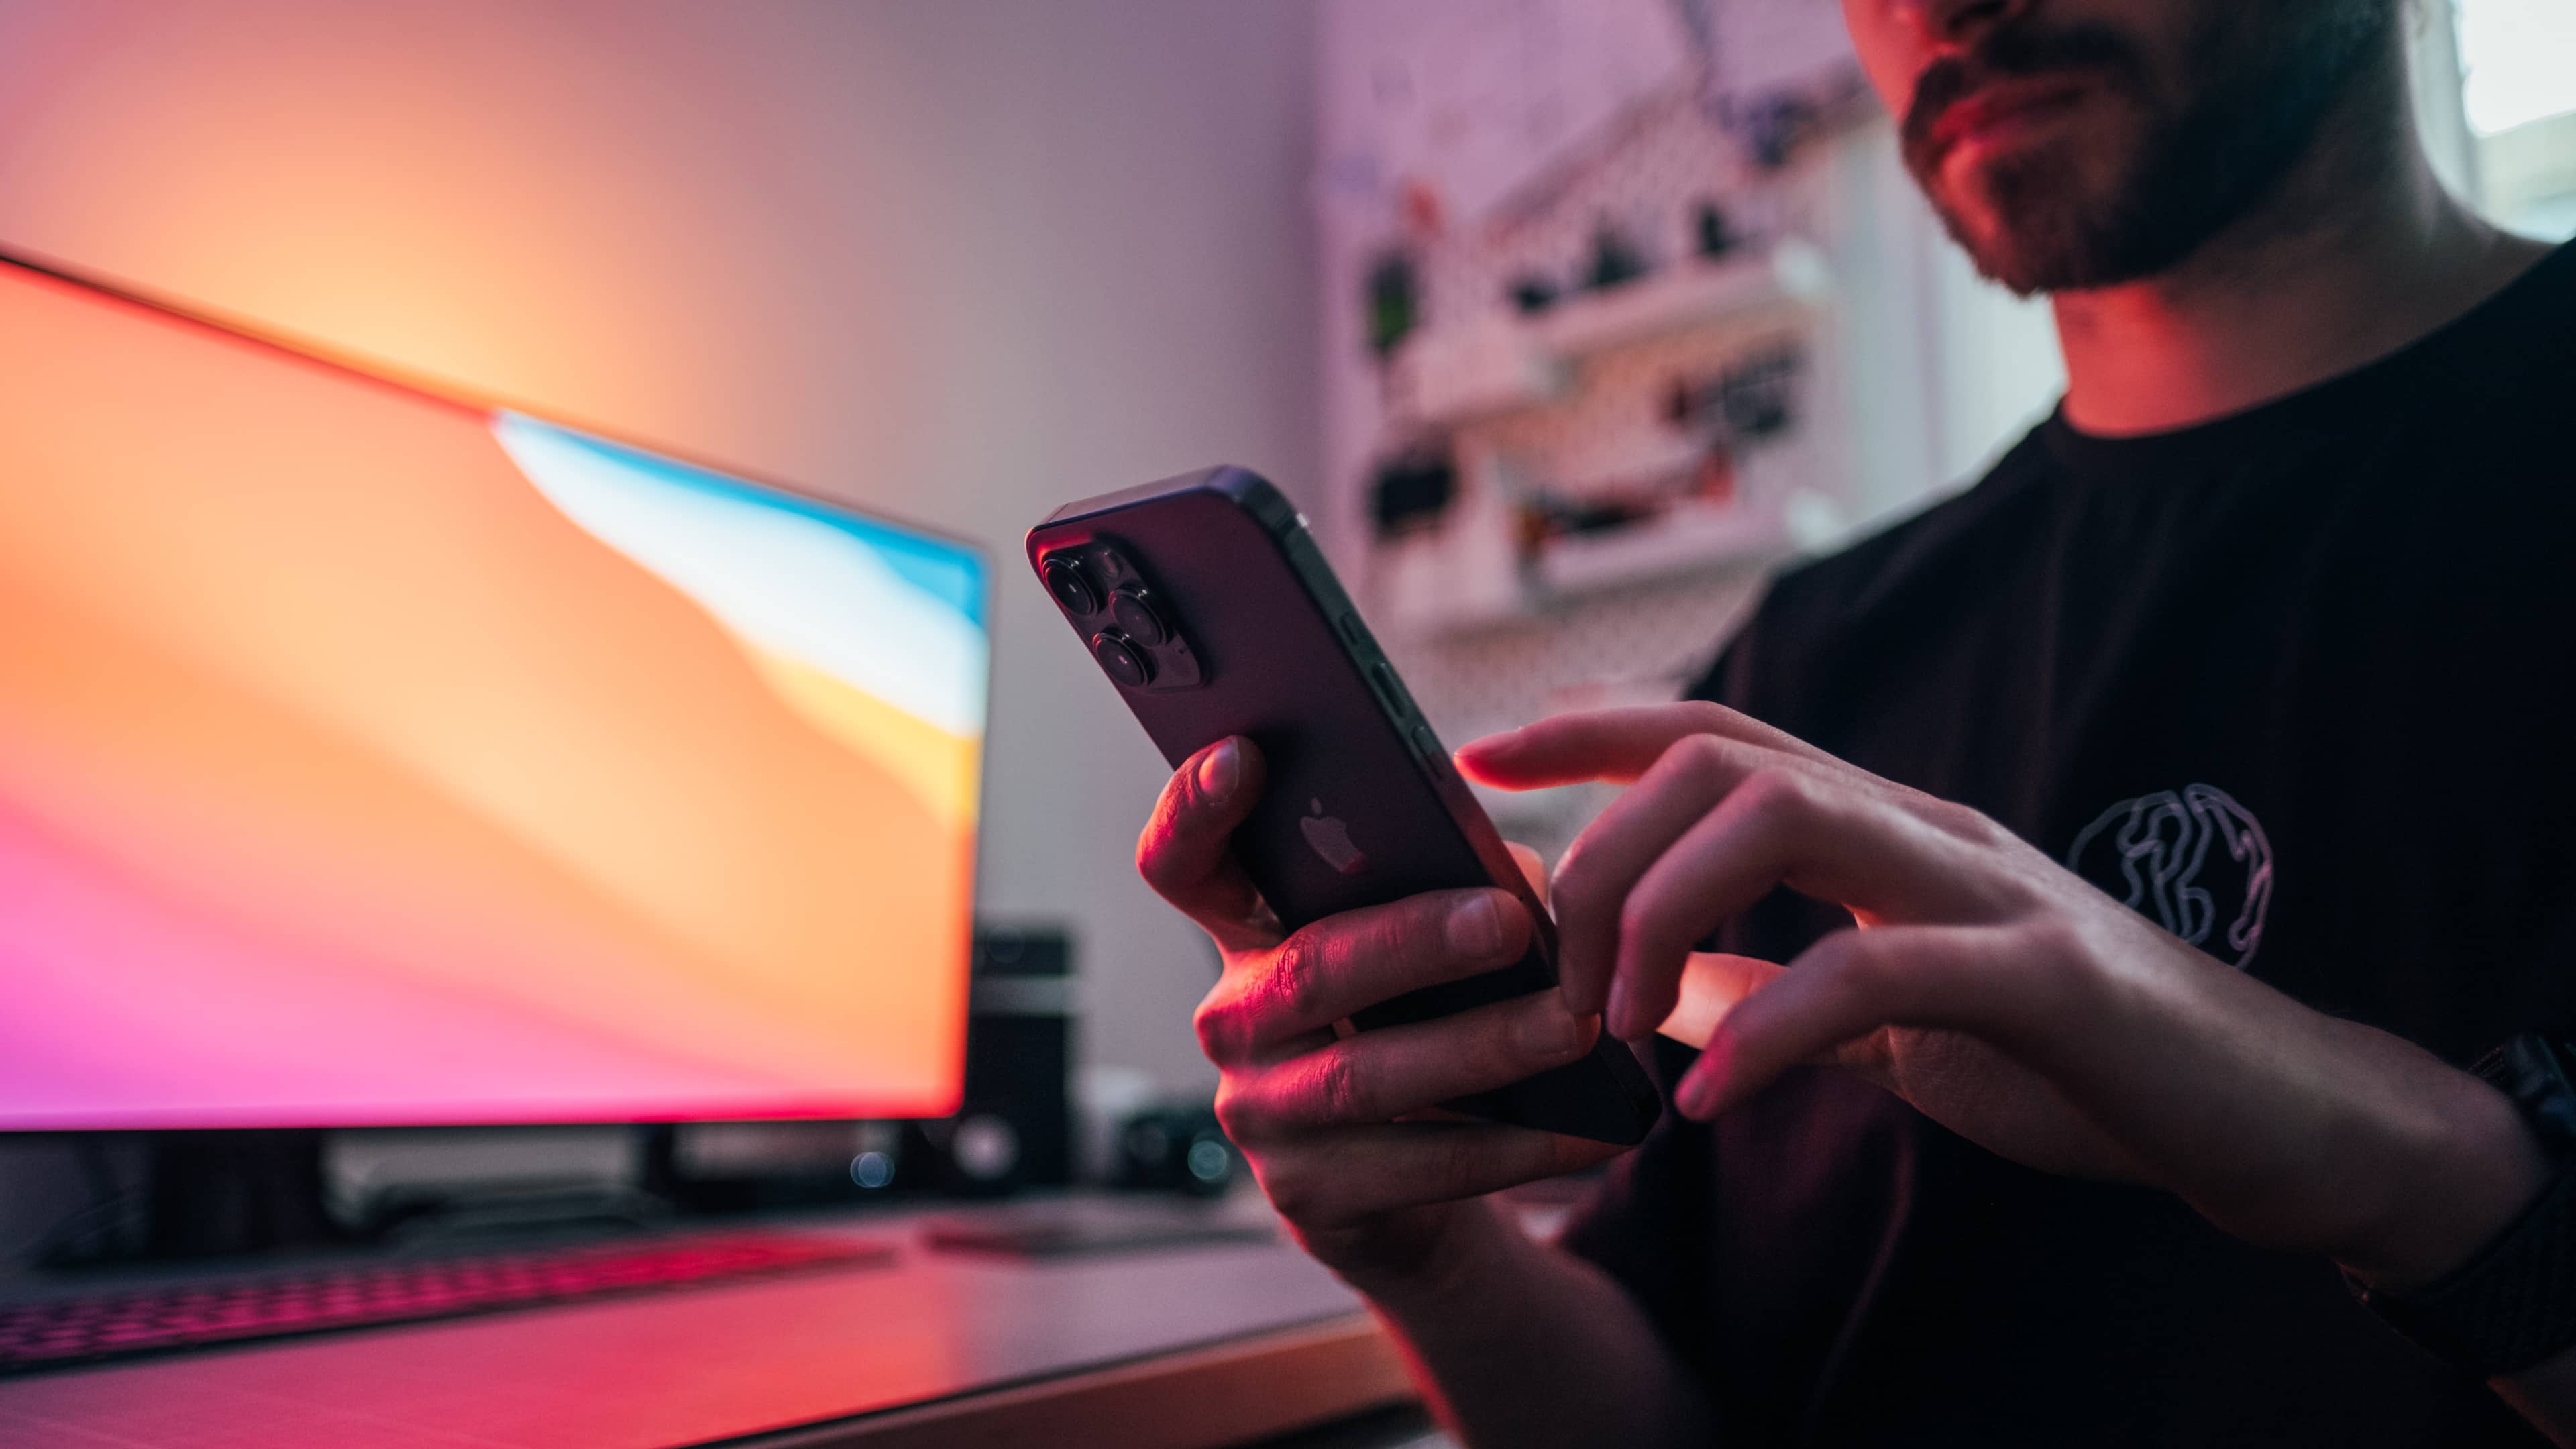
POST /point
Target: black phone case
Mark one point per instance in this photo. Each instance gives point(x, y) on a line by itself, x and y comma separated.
point(1269, 647)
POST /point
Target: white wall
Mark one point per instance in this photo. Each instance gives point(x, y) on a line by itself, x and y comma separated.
point(958, 260)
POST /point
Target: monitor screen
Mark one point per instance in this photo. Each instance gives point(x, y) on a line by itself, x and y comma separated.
point(371, 759)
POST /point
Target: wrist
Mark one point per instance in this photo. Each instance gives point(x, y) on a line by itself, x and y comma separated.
point(2507, 1312)
point(2450, 1191)
point(1473, 1243)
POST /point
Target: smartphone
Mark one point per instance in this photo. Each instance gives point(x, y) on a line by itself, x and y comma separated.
point(1205, 601)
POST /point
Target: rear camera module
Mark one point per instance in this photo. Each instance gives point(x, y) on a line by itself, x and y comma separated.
point(1136, 618)
point(1124, 662)
point(1072, 587)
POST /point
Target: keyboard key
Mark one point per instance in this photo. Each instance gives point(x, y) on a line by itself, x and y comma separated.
point(80, 1330)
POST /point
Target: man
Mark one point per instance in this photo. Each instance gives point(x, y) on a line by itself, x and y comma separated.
point(2152, 836)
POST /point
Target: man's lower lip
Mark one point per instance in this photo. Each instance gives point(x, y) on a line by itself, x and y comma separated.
point(2004, 126)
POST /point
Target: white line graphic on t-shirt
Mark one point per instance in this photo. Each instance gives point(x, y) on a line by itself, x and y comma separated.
point(2160, 842)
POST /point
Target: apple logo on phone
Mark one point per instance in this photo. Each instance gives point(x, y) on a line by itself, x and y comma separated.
point(1332, 840)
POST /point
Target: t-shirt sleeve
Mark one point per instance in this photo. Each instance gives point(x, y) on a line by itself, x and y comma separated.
point(1723, 682)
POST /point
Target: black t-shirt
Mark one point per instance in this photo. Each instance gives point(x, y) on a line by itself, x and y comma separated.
point(2301, 685)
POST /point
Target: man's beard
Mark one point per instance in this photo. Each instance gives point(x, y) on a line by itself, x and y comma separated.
point(2248, 108)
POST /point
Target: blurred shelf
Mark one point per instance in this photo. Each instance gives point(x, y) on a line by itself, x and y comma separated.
point(1788, 277)
point(1690, 539)
point(1462, 375)
point(1439, 587)
point(1500, 364)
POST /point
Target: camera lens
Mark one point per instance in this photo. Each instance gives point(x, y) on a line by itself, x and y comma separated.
point(1125, 662)
point(1137, 619)
point(1072, 588)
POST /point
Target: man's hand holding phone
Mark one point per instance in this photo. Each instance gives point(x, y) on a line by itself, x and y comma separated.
point(1344, 1131)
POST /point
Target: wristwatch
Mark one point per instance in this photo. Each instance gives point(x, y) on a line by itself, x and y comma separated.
point(2513, 1304)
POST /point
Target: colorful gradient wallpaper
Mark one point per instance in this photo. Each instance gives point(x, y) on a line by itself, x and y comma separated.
point(366, 758)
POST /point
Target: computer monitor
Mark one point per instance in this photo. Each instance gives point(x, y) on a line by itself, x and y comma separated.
point(369, 757)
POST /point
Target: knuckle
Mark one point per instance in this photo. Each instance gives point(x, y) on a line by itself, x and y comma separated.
point(1219, 1024)
point(1698, 756)
point(1227, 1022)
point(1985, 829)
point(1771, 793)
point(1298, 973)
point(1239, 1112)
point(1339, 1093)
point(1964, 822)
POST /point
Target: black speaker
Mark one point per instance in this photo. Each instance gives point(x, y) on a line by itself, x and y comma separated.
point(1015, 1128)
point(1177, 1148)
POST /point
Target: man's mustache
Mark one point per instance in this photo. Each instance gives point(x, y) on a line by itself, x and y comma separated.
point(2011, 53)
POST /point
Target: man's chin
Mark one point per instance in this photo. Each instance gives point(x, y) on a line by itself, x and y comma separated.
point(2027, 266)
point(2027, 228)
point(1994, 247)
point(2048, 212)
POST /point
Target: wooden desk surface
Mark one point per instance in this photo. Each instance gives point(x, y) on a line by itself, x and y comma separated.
point(1184, 1346)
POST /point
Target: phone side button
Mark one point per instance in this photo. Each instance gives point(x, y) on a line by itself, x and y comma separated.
point(1390, 689)
point(1427, 745)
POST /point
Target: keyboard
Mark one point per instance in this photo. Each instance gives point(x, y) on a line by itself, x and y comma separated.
point(59, 1332)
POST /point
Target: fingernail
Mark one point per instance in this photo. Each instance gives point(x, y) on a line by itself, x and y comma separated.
point(1476, 926)
point(1695, 1095)
point(1575, 986)
point(1700, 1088)
point(1219, 772)
point(1546, 1031)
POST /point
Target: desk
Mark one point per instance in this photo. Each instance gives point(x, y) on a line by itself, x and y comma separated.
point(1203, 1345)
